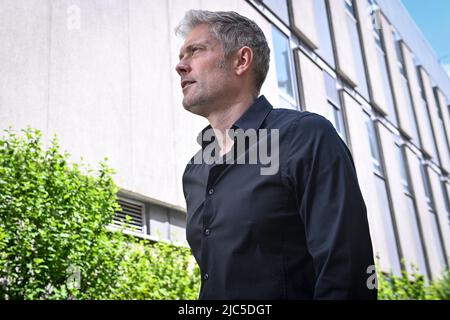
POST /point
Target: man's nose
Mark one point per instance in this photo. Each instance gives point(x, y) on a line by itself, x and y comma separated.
point(182, 68)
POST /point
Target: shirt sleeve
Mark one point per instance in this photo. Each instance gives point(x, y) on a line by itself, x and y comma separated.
point(320, 172)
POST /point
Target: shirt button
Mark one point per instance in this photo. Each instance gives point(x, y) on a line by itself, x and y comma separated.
point(205, 276)
point(211, 191)
point(207, 232)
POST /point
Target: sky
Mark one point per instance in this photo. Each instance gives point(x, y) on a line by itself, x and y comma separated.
point(433, 18)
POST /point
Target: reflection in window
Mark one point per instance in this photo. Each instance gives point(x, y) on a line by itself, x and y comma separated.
point(392, 115)
point(405, 86)
point(411, 212)
point(410, 110)
point(374, 16)
point(356, 47)
point(388, 226)
point(325, 49)
point(418, 245)
point(381, 56)
point(283, 68)
point(335, 111)
point(330, 86)
point(398, 51)
point(374, 148)
point(350, 7)
point(427, 119)
point(440, 126)
point(337, 120)
point(436, 232)
point(279, 8)
point(446, 200)
point(427, 188)
point(403, 170)
point(383, 197)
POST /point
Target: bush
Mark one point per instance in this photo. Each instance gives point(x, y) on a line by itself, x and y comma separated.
point(54, 236)
point(413, 287)
point(158, 271)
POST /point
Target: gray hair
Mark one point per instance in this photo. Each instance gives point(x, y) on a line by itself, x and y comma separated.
point(233, 31)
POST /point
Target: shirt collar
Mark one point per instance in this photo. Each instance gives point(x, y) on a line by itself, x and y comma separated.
point(251, 119)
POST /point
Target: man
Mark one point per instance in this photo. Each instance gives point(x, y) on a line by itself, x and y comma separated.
point(300, 232)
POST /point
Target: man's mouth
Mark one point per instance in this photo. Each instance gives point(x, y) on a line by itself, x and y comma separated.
point(186, 83)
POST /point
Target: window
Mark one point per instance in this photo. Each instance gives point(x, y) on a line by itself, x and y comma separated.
point(403, 171)
point(330, 86)
point(417, 242)
point(427, 120)
point(383, 198)
point(376, 27)
point(284, 68)
point(427, 188)
point(410, 110)
point(440, 117)
point(374, 148)
point(279, 8)
point(381, 57)
point(392, 113)
point(356, 47)
point(398, 51)
point(144, 219)
point(325, 49)
point(446, 200)
point(412, 215)
point(131, 215)
point(388, 225)
point(405, 87)
point(349, 6)
point(436, 232)
point(335, 110)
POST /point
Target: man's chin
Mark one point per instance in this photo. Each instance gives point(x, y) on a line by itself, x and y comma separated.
point(195, 108)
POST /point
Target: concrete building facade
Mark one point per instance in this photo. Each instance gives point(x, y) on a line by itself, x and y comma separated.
point(100, 74)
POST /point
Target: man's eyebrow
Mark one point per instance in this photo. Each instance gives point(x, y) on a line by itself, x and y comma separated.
point(187, 48)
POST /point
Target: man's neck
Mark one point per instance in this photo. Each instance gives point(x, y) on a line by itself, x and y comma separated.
point(223, 119)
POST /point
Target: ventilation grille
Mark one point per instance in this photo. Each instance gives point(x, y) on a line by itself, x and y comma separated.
point(134, 211)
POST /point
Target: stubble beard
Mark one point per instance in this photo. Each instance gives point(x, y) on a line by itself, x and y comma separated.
point(200, 101)
point(196, 102)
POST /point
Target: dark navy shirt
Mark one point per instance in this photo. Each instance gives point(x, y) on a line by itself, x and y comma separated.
point(301, 233)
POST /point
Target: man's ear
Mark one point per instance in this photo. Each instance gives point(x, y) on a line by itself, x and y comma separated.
point(243, 60)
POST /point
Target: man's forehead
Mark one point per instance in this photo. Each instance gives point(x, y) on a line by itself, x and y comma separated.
point(198, 35)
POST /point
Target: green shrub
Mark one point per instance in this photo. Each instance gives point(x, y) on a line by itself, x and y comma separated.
point(413, 287)
point(54, 240)
point(158, 271)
